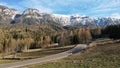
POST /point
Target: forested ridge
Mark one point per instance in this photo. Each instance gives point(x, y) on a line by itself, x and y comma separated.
point(19, 37)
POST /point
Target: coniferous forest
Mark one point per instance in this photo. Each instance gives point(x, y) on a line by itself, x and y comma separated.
point(18, 38)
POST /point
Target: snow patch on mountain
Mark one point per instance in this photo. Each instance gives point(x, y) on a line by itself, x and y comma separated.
point(8, 13)
point(33, 16)
point(63, 19)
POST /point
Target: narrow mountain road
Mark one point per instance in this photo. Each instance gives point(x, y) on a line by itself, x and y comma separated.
point(76, 49)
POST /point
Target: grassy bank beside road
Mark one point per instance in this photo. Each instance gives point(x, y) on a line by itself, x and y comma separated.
point(35, 53)
point(100, 56)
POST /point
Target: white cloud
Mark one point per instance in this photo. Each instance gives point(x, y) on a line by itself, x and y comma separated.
point(36, 4)
point(6, 4)
point(10, 6)
point(115, 15)
point(3, 3)
point(109, 4)
point(87, 7)
point(103, 10)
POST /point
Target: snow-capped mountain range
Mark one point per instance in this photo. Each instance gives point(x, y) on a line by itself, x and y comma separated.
point(33, 16)
point(78, 20)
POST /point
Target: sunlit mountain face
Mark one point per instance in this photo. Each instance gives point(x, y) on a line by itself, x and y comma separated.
point(88, 13)
point(92, 8)
point(34, 16)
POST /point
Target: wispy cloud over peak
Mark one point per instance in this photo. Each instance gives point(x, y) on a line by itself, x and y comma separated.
point(35, 4)
point(98, 8)
point(115, 15)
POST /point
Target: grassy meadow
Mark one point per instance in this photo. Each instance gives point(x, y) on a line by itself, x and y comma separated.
point(35, 53)
point(100, 56)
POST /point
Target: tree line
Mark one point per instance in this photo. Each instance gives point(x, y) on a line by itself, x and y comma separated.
point(19, 38)
point(112, 31)
point(16, 38)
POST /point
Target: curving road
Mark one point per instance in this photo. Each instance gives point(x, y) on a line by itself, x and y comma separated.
point(76, 49)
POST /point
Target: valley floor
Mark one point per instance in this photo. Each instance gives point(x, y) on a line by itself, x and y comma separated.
point(35, 53)
point(100, 56)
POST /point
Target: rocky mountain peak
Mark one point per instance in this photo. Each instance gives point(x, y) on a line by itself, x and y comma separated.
point(3, 7)
point(30, 16)
point(62, 19)
point(31, 11)
point(33, 16)
point(8, 13)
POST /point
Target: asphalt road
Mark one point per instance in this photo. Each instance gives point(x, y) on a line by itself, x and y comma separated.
point(76, 49)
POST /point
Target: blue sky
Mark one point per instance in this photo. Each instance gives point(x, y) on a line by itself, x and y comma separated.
point(93, 8)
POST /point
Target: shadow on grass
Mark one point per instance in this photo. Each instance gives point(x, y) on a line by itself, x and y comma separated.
point(15, 58)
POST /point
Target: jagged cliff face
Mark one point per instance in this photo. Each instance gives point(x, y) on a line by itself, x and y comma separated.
point(33, 16)
point(82, 21)
point(107, 21)
point(30, 16)
point(7, 14)
point(30, 11)
point(62, 19)
point(90, 22)
point(77, 20)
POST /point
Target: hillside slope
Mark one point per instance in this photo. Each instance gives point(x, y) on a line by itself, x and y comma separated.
point(101, 56)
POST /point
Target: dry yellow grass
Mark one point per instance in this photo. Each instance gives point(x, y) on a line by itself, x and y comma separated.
point(100, 56)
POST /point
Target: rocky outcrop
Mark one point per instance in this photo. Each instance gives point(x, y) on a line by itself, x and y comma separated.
point(33, 16)
point(7, 14)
